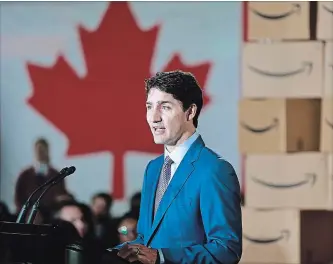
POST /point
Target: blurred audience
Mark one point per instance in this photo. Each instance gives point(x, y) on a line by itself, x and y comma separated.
point(36, 175)
point(72, 212)
point(134, 206)
point(80, 216)
point(105, 224)
point(94, 224)
point(64, 197)
point(127, 229)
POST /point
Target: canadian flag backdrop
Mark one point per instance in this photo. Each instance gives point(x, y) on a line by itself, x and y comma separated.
point(74, 73)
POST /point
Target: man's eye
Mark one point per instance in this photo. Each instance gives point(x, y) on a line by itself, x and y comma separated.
point(148, 107)
point(166, 107)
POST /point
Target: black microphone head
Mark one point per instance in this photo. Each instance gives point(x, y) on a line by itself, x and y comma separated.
point(64, 170)
point(71, 170)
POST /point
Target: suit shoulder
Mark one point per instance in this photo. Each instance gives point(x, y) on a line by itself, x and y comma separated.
point(216, 160)
point(155, 162)
point(158, 158)
point(220, 170)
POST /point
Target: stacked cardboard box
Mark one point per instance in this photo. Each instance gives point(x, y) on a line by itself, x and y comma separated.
point(286, 134)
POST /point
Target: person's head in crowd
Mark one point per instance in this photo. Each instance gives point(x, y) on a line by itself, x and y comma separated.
point(64, 197)
point(127, 229)
point(89, 219)
point(101, 204)
point(72, 212)
point(135, 205)
point(42, 151)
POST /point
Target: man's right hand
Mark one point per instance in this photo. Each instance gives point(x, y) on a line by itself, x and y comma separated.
point(140, 253)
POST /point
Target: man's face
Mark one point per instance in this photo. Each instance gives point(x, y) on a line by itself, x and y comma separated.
point(166, 117)
point(41, 152)
point(98, 207)
point(74, 215)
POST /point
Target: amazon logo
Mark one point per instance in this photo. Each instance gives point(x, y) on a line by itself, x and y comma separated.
point(310, 178)
point(285, 234)
point(264, 129)
point(326, 8)
point(329, 123)
point(306, 67)
point(295, 9)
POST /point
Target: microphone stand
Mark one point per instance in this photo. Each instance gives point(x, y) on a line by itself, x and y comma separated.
point(23, 211)
point(36, 205)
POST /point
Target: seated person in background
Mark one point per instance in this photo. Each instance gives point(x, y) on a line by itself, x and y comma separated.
point(105, 225)
point(77, 214)
point(134, 206)
point(127, 229)
point(64, 197)
point(71, 211)
point(36, 175)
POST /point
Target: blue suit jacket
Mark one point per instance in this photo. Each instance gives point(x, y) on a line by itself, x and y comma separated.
point(199, 217)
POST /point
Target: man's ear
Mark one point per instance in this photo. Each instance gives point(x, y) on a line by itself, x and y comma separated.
point(191, 111)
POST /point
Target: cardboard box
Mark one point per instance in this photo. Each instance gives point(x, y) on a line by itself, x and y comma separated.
point(278, 20)
point(287, 236)
point(300, 181)
point(283, 70)
point(325, 20)
point(279, 125)
point(326, 138)
point(328, 72)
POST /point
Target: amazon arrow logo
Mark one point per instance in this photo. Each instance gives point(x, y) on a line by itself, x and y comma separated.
point(305, 67)
point(329, 123)
point(296, 8)
point(327, 9)
point(274, 124)
point(284, 235)
point(309, 178)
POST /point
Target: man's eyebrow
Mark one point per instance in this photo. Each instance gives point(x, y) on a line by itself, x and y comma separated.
point(164, 102)
point(159, 102)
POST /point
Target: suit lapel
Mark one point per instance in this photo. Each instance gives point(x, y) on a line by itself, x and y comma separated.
point(182, 173)
point(155, 175)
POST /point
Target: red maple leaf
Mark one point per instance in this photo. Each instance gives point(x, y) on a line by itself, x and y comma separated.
point(105, 110)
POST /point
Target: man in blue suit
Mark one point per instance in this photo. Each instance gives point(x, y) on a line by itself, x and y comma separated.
point(190, 206)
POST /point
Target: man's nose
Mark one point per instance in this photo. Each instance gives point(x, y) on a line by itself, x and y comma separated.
point(155, 115)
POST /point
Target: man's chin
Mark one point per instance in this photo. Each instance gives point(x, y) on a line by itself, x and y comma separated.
point(159, 140)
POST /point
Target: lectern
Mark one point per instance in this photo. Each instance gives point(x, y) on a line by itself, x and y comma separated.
point(38, 244)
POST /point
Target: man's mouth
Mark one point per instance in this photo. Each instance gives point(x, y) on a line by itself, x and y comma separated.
point(158, 129)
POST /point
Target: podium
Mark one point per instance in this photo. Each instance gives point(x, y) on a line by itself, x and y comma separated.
point(56, 243)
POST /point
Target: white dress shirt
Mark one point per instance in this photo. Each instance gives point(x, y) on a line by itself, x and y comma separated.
point(179, 152)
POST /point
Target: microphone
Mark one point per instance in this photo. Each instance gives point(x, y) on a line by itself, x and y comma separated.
point(23, 211)
point(35, 207)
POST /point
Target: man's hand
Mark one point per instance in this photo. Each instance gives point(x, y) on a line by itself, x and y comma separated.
point(137, 252)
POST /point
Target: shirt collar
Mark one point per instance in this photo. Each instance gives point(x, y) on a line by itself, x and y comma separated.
point(179, 152)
